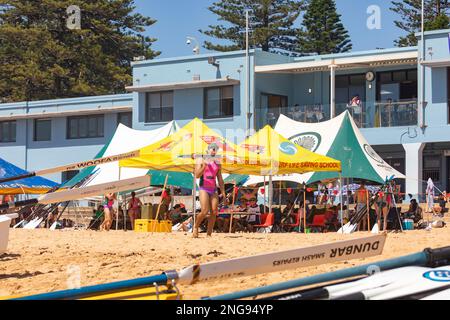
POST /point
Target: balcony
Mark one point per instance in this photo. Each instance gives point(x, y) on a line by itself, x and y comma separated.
point(365, 115)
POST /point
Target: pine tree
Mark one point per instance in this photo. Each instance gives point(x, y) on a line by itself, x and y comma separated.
point(436, 17)
point(323, 31)
point(40, 58)
point(270, 22)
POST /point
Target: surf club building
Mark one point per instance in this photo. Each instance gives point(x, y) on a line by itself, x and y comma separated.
point(408, 126)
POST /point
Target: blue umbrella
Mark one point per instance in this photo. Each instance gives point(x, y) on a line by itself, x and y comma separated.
point(33, 185)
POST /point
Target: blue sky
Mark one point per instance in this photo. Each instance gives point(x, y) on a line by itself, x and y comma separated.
point(177, 19)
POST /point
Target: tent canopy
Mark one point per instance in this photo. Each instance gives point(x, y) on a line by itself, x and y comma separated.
point(285, 156)
point(264, 153)
point(33, 185)
point(174, 153)
point(125, 140)
point(341, 139)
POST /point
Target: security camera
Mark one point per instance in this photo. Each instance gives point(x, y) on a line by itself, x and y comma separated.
point(195, 50)
point(188, 41)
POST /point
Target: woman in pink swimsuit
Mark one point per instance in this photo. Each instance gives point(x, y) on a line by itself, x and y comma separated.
point(208, 170)
point(108, 211)
point(134, 209)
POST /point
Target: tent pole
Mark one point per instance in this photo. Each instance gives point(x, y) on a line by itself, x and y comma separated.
point(126, 211)
point(264, 195)
point(348, 200)
point(270, 193)
point(368, 210)
point(341, 200)
point(304, 208)
point(118, 203)
point(279, 189)
point(194, 187)
point(232, 206)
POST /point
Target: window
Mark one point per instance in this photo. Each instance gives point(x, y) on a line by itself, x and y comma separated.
point(42, 130)
point(8, 131)
point(85, 127)
point(218, 102)
point(397, 85)
point(125, 118)
point(348, 86)
point(68, 175)
point(159, 107)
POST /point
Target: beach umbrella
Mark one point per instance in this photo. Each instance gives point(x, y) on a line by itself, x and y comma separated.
point(31, 185)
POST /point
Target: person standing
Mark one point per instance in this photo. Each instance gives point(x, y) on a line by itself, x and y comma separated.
point(134, 209)
point(430, 195)
point(166, 200)
point(356, 110)
point(209, 172)
point(361, 201)
point(108, 210)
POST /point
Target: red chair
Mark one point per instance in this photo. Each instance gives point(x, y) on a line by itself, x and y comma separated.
point(319, 222)
point(288, 227)
point(267, 220)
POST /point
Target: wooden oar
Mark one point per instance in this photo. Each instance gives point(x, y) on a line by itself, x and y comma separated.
point(75, 166)
point(239, 267)
point(80, 193)
point(232, 206)
point(428, 257)
point(160, 202)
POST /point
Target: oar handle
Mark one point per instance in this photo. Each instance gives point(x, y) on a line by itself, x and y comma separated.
point(22, 176)
point(438, 257)
point(18, 204)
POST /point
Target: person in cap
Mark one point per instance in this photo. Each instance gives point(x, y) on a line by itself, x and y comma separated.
point(175, 214)
point(208, 170)
point(254, 214)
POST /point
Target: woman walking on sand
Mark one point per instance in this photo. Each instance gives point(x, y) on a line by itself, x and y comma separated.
point(108, 211)
point(209, 172)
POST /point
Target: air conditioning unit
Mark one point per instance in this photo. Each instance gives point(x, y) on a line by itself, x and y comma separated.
point(196, 77)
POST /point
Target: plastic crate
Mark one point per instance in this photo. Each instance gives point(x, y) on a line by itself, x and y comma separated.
point(149, 225)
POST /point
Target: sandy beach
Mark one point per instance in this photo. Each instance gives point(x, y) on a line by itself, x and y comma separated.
point(41, 260)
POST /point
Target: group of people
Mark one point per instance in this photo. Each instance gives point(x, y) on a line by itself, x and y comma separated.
point(214, 203)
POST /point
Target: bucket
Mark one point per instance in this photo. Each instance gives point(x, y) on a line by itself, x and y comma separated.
point(408, 224)
point(4, 233)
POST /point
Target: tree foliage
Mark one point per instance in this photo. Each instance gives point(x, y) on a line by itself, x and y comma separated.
point(271, 24)
point(323, 31)
point(436, 16)
point(41, 58)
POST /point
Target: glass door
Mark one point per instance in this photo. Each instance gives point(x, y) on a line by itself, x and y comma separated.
point(270, 109)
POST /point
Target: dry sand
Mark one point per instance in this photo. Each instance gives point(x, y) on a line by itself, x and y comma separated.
point(38, 260)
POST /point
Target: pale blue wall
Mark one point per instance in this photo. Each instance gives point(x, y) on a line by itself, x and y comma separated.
point(34, 155)
point(436, 113)
point(188, 103)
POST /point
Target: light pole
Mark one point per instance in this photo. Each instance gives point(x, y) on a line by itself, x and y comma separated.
point(247, 73)
point(196, 49)
point(422, 71)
